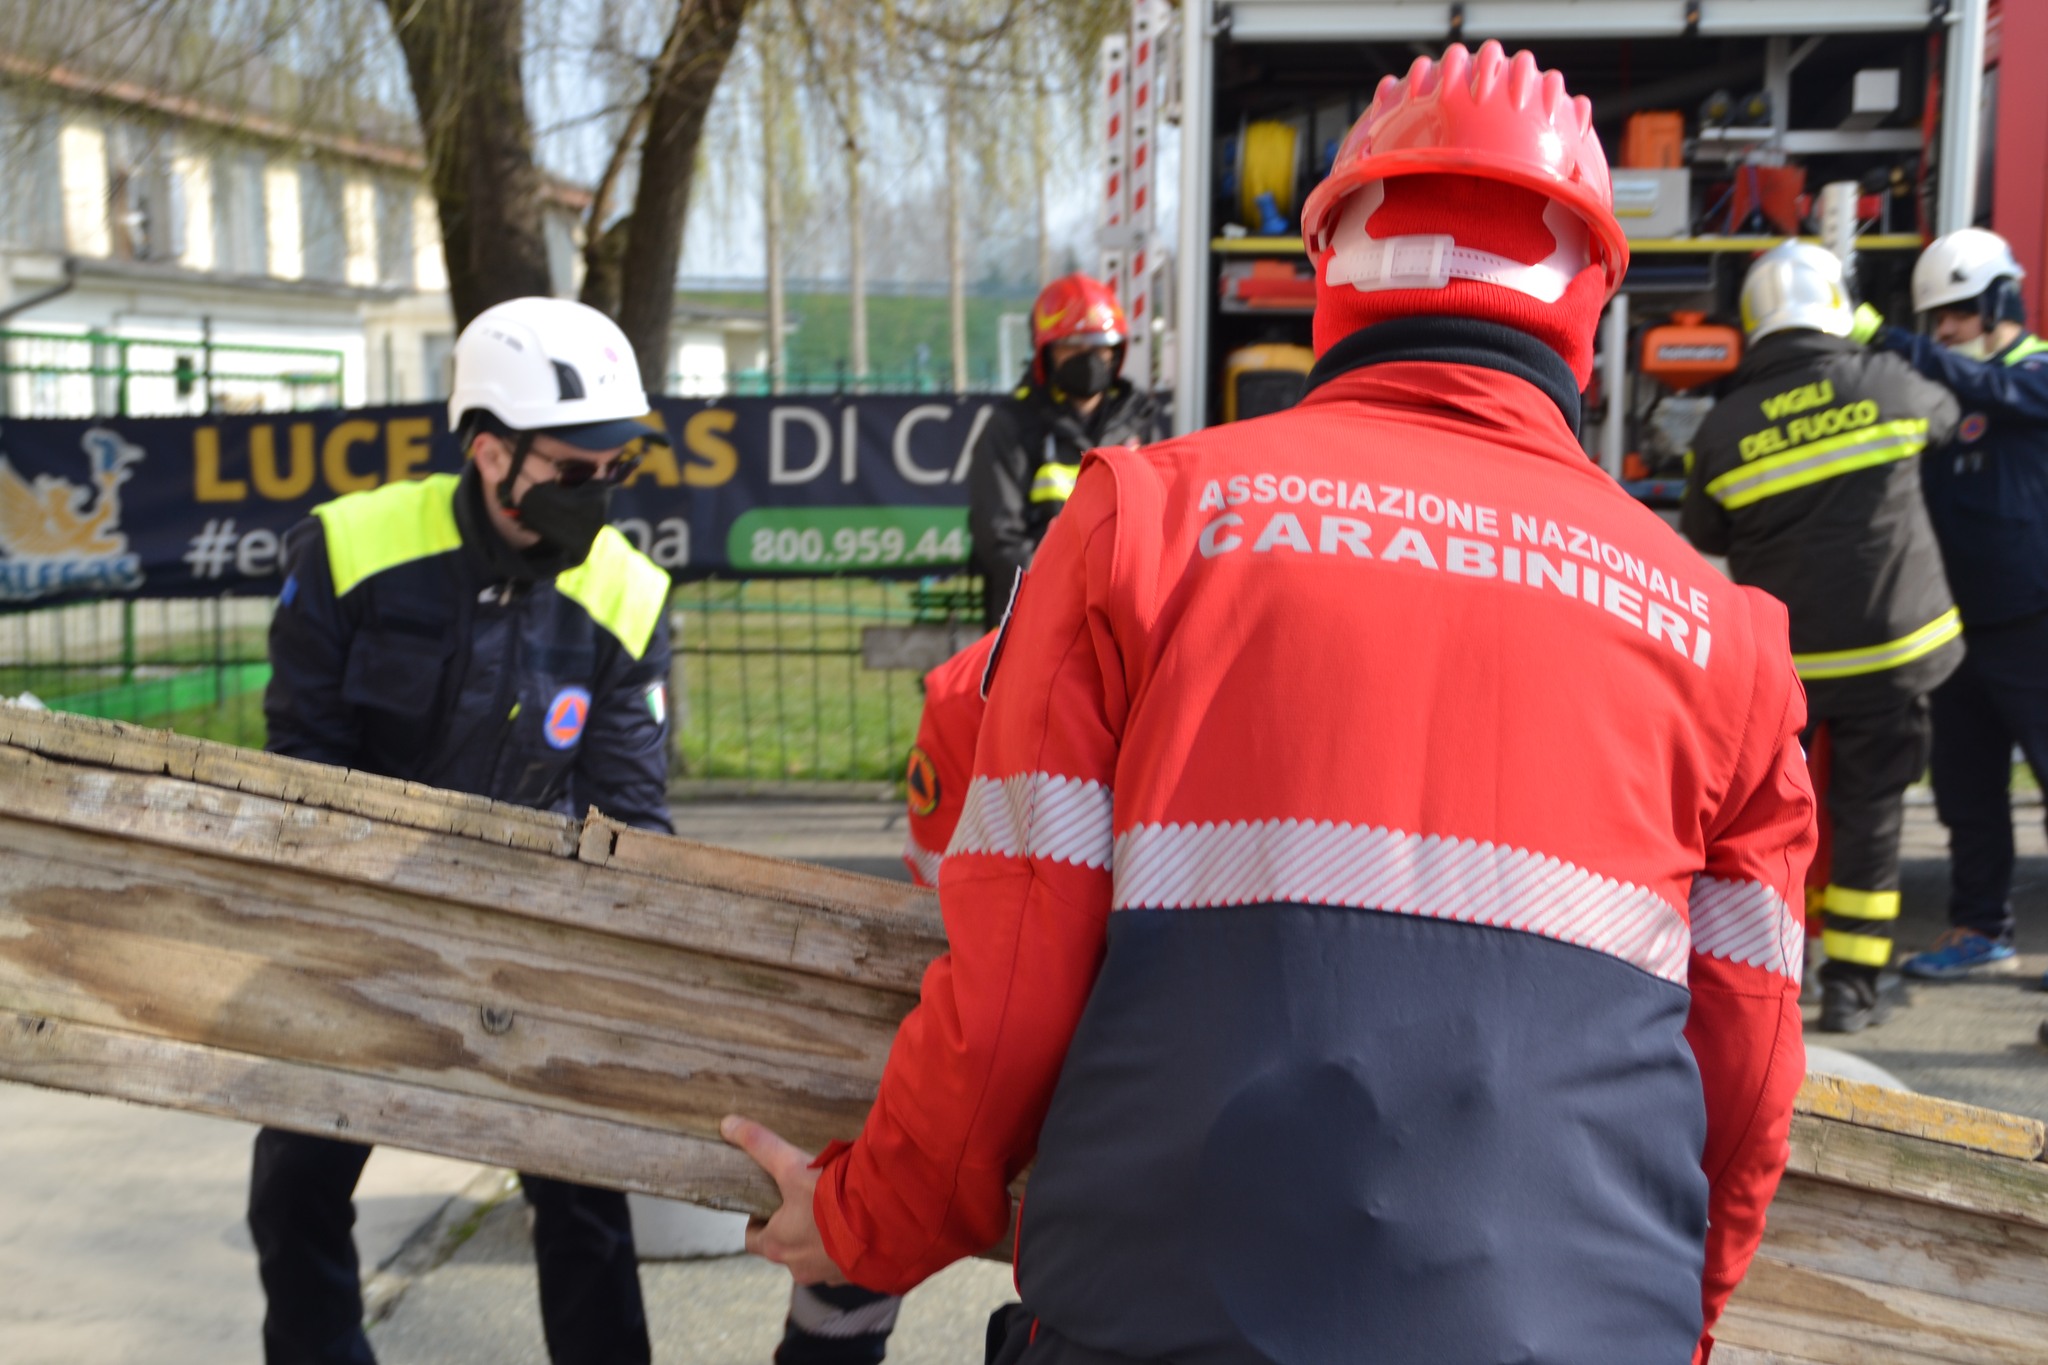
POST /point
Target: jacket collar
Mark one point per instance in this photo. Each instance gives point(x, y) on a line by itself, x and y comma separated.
point(1782, 351)
point(1061, 417)
point(1512, 410)
point(491, 557)
point(1456, 341)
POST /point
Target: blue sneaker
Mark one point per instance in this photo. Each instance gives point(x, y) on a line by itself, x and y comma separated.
point(1961, 953)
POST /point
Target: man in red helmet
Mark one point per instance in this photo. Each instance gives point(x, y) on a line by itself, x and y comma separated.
point(1374, 907)
point(1029, 454)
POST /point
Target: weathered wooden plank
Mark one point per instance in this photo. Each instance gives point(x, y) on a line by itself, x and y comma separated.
point(1885, 1241)
point(133, 748)
point(1839, 1320)
point(70, 1056)
point(751, 915)
point(707, 865)
point(1917, 1168)
point(1729, 1353)
point(1946, 1121)
point(252, 959)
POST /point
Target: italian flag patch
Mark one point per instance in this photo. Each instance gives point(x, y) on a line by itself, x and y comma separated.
point(657, 702)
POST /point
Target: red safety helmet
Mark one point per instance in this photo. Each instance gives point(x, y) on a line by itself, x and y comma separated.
point(1077, 310)
point(1485, 116)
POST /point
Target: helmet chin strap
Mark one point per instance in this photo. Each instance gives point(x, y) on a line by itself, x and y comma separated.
point(520, 449)
point(1432, 260)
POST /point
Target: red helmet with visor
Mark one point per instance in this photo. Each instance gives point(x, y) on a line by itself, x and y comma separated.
point(1482, 115)
point(1075, 310)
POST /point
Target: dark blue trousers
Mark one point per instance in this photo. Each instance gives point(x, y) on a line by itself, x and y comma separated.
point(1997, 700)
point(302, 1214)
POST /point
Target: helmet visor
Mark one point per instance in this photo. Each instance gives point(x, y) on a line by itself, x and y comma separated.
point(597, 436)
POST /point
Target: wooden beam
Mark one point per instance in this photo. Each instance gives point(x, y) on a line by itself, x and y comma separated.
point(309, 1099)
point(1920, 1168)
point(1945, 1121)
point(238, 934)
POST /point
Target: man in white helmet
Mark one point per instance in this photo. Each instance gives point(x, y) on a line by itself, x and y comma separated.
point(486, 633)
point(1806, 475)
point(1988, 496)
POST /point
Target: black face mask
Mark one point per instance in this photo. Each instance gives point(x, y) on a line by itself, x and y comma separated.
point(1087, 373)
point(566, 519)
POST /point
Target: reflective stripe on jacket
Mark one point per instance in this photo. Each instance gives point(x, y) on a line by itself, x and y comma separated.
point(1807, 476)
point(398, 650)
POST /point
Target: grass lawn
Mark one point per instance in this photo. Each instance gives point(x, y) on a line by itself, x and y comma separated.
point(774, 687)
point(897, 325)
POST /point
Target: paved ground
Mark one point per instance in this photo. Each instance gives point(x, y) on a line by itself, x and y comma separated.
point(121, 1239)
point(1976, 1041)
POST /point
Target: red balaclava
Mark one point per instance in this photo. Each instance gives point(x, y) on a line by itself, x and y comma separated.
point(1482, 215)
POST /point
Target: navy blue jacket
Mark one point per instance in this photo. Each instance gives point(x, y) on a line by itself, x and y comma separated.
point(1988, 491)
point(402, 646)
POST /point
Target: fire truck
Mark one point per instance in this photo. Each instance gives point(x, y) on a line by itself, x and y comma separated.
point(1731, 124)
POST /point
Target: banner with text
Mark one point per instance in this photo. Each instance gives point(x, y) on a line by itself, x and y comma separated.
point(177, 506)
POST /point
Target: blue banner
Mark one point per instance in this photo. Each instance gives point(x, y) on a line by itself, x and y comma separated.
point(180, 506)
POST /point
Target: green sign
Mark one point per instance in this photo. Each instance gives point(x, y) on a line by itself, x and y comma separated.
point(811, 539)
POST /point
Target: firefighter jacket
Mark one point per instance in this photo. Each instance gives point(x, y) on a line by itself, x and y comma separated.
point(1023, 468)
point(935, 782)
point(402, 646)
point(1374, 906)
point(1807, 476)
point(1988, 492)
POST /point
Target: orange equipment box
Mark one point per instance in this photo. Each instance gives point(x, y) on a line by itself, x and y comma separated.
point(1654, 140)
point(1688, 352)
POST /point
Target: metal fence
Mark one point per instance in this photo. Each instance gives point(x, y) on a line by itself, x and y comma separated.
point(768, 687)
point(923, 378)
point(95, 374)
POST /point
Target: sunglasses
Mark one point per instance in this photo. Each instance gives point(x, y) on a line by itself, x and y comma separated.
point(573, 473)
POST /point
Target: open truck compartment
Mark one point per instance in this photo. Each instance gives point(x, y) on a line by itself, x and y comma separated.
point(1729, 125)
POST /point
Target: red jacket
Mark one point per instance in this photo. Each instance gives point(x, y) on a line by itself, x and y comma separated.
point(1374, 908)
point(942, 760)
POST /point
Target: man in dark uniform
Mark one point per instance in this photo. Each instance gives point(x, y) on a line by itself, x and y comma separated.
point(487, 633)
point(1988, 496)
point(1807, 477)
point(1029, 454)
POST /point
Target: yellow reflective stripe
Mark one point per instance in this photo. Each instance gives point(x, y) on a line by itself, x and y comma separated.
point(1054, 482)
point(1865, 950)
point(2026, 346)
point(381, 528)
point(1818, 460)
point(621, 588)
point(1848, 663)
point(1840, 900)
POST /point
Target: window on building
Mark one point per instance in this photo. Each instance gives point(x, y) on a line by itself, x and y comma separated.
point(437, 359)
point(32, 208)
point(143, 218)
point(558, 230)
point(395, 233)
point(322, 218)
point(240, 232)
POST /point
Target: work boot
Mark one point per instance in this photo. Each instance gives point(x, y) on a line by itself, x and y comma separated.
point(1851, 1004)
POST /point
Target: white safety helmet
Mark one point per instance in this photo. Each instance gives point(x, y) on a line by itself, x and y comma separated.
point(1796, 285)
point(553, 365)
point(1961, 266)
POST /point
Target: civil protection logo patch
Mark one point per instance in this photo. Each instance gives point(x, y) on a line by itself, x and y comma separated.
point(921, 778)
point(566, 716)
point(1973, 428)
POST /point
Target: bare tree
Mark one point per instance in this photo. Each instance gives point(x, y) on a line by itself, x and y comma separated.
point(464, 60)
